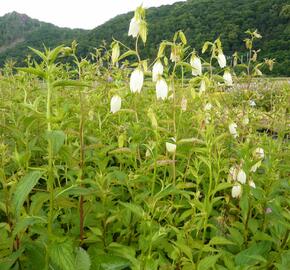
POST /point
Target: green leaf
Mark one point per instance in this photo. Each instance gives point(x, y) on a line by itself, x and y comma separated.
point(54, 53)
point(182, 37)
point(208, 262)
point(57, 138)
point(70, 83)
point(72, 190)
point(6, 263)
point(39, 53)
point(82, 260)
point(253, 254)
point(23, 188)
point(61, 254)
point(218, 240)
point(244, 204)
point(35, 255)
point(25, 222)
point(126, 54)
point(34, 71)
point(134, 208)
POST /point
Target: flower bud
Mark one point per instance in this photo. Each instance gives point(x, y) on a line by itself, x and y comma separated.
point(115, 53)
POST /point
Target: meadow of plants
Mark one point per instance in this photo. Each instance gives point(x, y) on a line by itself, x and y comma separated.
point(115, 162)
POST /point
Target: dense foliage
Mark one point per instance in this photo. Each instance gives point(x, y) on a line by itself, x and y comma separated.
point(101, 169)
point(201, 20)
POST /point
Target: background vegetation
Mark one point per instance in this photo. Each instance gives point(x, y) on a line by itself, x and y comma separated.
point(201, 20)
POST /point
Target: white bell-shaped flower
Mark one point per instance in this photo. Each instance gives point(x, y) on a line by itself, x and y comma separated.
point(196, 66)
point(252, 184)
point(233, 129)
point(183, 104)
point(134, 27)
point(136, 80)
point(256, 166)
point(161, 89)
point(202, 87)
point(233, 172)
point(208, 106)
point(222, 60)
point(237, 191)
point(245, 121)
point(157, 71)
point(170, 147)
point(259, 153)
point(228, 78)
point(116, 103)
point(252, 103)
point(241, 176)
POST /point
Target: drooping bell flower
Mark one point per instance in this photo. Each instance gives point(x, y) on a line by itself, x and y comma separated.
point(134, 27)
point(115, 53)
point(245, 121)
point(252, 184)
point(116, 103)
point(241, 176)
point(196, 66)
point(161, 89)
point(157, 70)
point(252, 103)
point(183, 104)
point(222, 60)
point(202, 87)
point(237, 191)
point(207, 106)
point(170, 147)
point(233, 172)
point(259, 153)
point(228, 78)
point(175, 55)
point(136, 80)
point(233, 129)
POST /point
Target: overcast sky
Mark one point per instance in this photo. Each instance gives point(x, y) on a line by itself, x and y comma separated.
point(85, 14)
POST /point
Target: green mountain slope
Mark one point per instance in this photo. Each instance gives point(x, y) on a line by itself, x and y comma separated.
point(201, 20)
point(18, 31)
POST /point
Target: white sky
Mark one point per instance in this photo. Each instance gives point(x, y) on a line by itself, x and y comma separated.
point(85, 14)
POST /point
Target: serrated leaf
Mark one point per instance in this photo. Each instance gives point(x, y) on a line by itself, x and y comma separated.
point(218, 240)
point(253, 254)
point(70, 83)
point(82, 260)
point(33, 71)
point(23, 188)
point(208, 262)
point(39, 53)
point(126, 54)
point(24, 222)
point(57, 138)
point(61, 254)
point(134, 208)
point(182, 37)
